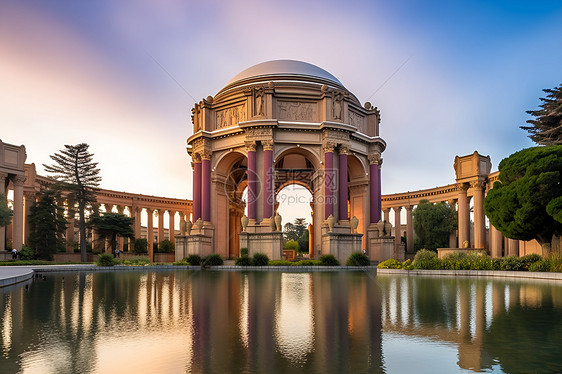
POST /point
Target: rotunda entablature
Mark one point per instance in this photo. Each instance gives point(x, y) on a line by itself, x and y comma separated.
point(297, 97)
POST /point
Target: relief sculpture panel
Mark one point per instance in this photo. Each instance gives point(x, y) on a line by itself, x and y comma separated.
point(357, 120)
point(296, 111)
point(230, 116)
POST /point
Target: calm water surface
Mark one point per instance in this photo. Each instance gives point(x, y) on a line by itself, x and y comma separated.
point(258, 322)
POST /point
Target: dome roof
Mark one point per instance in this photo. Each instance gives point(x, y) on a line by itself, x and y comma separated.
point(284, 68)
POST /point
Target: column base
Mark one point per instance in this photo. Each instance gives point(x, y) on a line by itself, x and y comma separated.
point(379, 247)
point(199, 242)
point(268, 243)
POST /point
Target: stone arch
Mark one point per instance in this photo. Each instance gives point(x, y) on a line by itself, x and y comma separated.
point(307, 152)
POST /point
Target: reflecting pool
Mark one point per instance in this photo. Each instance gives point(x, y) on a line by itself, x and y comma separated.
point(258, 322)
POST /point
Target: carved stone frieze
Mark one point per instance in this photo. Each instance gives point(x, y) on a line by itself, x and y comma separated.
point(296, 111)
point(259, 134)
point(230, 116)
point(338, 137)
point(357, 120)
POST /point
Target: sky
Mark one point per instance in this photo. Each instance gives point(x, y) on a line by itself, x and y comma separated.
point(449, 77)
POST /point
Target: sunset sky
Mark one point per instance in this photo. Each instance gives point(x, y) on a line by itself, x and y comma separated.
point(449, 77)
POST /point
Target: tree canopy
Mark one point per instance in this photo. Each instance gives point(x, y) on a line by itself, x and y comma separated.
point(546, 128)
point(526, 202)
point(111, 225)
point(80, 177)
point(5, 212)
point(433, 223)
point(298, 232)
point(47, 225)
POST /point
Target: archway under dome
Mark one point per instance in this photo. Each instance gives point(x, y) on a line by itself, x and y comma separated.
point(277, 123)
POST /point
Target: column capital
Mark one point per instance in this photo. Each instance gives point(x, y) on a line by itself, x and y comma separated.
point(19, 180)
point(196, 157)
point(462, 187)
point(206, 154)
point(344, 149)
point(267, 145)
point(397, 208)
point(329, 146)
point(409, 208)
point(478, 184)
point(375, 159)
point(250, 145)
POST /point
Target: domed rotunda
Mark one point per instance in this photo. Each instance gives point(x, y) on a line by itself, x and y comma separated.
point(277, 123)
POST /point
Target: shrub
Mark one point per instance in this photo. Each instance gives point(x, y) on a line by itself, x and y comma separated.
point(513, 263)
point(281, 263)
point(358, 259)
point(166, 246)
point(540, 265)
point(407, 265)
point(426, 259)
point(329, 260)
point(105, 259)
point(530, 259)
point(555, 263)
point(26, 253)
point(389, 264)
point(244, 252)
point(243, 261)
point(260, 259)
point(136, 261)
point(141, 246)
point(470, 261)
point(307, 263)
point(214, 259)
point(181, 263)
point(291, 244)
point(194, 260)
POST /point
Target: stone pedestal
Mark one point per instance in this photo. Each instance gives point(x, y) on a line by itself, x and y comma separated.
point(340, 242)
point(269, 243)
point(381, 247)
point(199, 242)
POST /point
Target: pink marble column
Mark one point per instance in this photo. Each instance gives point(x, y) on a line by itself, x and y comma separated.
point(329, 182)
point(252, 180)
point(206, 187)
point(343, 193)
point(269, 198)
point(463, 214)
point(196, 187)
point(375, 187)
point(479, 217)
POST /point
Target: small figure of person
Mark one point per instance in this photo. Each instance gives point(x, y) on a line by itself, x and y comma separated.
point(14, 254)
point(117, 252)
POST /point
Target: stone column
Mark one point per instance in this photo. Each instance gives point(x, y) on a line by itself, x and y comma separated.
point(172, 225)
point(375, 161)
point(196, 186)
point(397, 225)
point(3, 195)
point(343, 194)
point(29, 198)
point(206, 186)
point(409, 229)
point(268, 174)
point(161, 213)
point(120, 239)
point(479, 218)
point(463, 214)
point(329, 182)
point(150, 233)
point(18, 212)
point(252, 180)
point(512, 247)
point(496, 241)
point(453, 235)
point(136, 214)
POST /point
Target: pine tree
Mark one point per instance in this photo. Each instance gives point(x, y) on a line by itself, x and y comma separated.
point(79, 174)
point(547, 125)
point(47, 225)
point(5, 212)
point(111, 225)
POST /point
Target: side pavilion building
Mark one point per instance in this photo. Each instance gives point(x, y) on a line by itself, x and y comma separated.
point(278, 123)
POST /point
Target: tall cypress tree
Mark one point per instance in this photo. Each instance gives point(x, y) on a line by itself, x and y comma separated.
point(47, 225)
point(80, 176)
point(547, 125)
